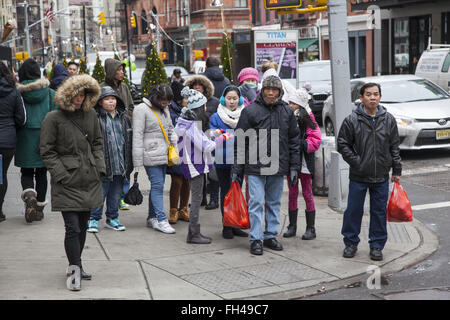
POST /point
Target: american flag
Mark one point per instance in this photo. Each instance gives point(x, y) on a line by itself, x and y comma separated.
point(49, 13)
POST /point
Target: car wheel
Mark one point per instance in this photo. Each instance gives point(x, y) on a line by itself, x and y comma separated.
point(329, 128)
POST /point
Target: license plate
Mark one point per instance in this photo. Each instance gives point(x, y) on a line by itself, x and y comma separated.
point(442, 134)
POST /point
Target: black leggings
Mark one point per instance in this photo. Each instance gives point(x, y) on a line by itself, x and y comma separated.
point(28, 177)
point(76, 224)
point(7, 155)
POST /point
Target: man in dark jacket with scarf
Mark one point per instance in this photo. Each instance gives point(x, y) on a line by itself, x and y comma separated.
point(215, 74)
point(268, 123)
point(368, 141)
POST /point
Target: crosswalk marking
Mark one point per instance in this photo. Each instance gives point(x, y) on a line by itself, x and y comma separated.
point(431, 205)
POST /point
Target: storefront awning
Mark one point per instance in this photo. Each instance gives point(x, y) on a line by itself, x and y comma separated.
point(306, 43)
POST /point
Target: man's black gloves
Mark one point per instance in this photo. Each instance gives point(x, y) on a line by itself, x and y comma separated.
point(293, 177)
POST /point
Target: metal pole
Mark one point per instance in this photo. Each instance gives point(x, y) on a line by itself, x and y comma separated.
point(128, 37)
point(27, 29)
point(158, 35)
point(190, 34)
point(84, 32)
point(340, 79)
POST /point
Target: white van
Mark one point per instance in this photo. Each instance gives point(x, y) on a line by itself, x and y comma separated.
point(434, 65)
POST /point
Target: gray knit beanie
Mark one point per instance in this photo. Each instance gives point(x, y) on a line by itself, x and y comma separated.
point(194, 98)
point(273, 82)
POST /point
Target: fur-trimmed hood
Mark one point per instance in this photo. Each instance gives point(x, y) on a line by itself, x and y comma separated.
point(33, 91)
point(72, 86)
point(205, 82)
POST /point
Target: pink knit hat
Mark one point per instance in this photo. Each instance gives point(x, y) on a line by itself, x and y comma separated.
point(248, 73)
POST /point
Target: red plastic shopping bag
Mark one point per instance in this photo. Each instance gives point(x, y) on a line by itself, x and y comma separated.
point(399, 208)
point(235, 211)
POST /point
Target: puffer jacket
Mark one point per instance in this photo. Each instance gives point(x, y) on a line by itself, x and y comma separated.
point(310, 140)
point(370, 147)
point(39, 100)
point(127, 132)
point(263, 118)
point(111, 66)
point(218, 80)
point(195, 149)
point(12, 114)
point(212, 102)
point(149, 144)
point(75, 161)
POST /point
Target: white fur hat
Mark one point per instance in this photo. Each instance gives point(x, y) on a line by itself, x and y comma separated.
point(300, 97)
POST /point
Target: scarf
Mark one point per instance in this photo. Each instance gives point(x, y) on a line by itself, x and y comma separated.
point(230, 118)
point(249, 91)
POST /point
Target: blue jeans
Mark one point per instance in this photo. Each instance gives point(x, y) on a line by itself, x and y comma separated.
point(265, 192)
point(125, 187)
point(112, 191)
point(351, 226)
point(157, 176)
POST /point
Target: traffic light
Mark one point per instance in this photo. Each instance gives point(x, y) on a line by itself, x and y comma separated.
point(133, 21)
point(282, 4)
point(317, 3)
point(22, 55)
point(101, 18)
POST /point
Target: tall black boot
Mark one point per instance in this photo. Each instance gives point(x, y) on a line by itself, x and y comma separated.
point(310, 230)
point(292, 227)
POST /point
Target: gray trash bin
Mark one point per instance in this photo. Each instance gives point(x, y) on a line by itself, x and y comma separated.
point(322, 163)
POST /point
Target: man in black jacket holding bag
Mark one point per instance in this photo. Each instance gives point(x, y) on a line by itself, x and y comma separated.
point(369, 142)
point(270, 124)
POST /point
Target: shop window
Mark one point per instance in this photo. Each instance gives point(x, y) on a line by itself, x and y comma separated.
point(241, 3)
point(401, 45)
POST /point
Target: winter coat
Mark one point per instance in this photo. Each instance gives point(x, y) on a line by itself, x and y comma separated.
point(150, 147)
point(259, 115)
point(370, 147)
point(12, 114)
point(59, 76)
point(39, 100)
point(218, 80)
point(194, 149)
point(75, 161)
point(310, 140)
point(212, 102)
point(175, 112)
point(215, 122)
point(128, 138)
point(111, 66)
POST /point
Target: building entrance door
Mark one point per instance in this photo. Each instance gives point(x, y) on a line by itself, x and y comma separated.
point(419, 32)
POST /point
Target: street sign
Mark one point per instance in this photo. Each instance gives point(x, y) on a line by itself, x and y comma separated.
point(282, 4)
point(280, 46)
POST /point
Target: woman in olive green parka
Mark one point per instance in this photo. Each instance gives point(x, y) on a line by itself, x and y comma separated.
point(71, 148)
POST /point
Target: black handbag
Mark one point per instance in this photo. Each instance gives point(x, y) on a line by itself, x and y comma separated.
point(134, 195)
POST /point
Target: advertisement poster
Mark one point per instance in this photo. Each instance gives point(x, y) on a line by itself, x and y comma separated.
point(280, 46)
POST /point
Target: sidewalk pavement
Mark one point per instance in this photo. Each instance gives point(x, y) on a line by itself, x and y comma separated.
point(141, 263)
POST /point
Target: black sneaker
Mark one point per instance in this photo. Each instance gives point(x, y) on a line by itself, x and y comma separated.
point(256, 247)
point(376, 254)
point(273, 244)
point(350, 251)
point(2, 217)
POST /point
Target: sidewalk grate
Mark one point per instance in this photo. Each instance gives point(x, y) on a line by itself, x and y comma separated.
point(250, 277)
point(397, 233)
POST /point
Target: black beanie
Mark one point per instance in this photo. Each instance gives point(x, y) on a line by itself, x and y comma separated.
point(29, 70)
point(176, 89)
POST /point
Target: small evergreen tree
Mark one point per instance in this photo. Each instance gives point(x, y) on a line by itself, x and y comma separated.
point(65, 63)
point(154, 73)
point(83, 66)
point(226, 57)
point(99, 72)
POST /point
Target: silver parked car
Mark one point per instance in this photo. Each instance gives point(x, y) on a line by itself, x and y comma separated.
point(421, 108)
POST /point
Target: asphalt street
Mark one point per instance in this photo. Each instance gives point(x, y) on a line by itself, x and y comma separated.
point(427, 182)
